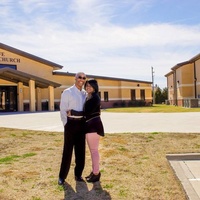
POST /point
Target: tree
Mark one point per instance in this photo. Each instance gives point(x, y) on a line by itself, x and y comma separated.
point(165, 93)
point(161, 95)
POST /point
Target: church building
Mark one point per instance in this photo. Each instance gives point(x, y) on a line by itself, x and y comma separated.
point(31, 83)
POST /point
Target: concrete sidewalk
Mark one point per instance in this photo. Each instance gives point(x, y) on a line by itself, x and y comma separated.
point(186, 167)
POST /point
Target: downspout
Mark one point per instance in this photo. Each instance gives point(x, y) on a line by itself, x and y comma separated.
point(175, 89)
point(195, 81)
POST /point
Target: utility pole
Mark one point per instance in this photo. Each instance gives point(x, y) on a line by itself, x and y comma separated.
point(153, 92)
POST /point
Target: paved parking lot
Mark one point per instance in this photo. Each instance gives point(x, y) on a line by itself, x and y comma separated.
point(113, 122)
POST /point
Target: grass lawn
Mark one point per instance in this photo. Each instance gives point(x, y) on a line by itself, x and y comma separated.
point(156, 108)
point(133, 166)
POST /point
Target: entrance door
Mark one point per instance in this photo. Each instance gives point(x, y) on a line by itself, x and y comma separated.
point(8, 98)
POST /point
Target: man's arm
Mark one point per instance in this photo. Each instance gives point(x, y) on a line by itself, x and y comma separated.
point(64, 107)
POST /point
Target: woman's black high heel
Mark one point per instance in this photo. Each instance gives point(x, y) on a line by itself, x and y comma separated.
point(89, 176)
point(94, 178)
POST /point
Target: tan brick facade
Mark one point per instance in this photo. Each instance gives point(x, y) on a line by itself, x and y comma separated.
point(183, 82)
point(30, 83)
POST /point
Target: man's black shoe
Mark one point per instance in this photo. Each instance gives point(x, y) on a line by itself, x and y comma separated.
point(80, 179)
point(61, 181)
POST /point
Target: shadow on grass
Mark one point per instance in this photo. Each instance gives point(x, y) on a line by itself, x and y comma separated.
point(82, 192)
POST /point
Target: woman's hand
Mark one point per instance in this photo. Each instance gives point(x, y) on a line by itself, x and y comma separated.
point(68, 113)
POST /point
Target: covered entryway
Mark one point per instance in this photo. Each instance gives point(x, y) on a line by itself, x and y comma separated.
point(11, 97)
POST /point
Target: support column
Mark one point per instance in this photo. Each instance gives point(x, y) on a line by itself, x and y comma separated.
point(51, 98)
point(20, 97)
point(32, 95)
point(137, 94)
point(38, 99)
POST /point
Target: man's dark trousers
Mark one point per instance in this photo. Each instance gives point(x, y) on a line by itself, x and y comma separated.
point(74, 138)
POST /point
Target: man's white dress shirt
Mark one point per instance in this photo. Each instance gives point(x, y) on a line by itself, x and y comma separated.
point(71, 98)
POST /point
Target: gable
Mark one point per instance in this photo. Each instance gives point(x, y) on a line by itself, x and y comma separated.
point(18, 52)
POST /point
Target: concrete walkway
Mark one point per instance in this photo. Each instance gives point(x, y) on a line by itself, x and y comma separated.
point(186, 166)
point(113, 122)
point(187, 169)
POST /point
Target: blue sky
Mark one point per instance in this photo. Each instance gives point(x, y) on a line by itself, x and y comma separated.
point(115, 38)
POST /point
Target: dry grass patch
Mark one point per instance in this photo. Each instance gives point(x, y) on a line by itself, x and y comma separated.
point(133, 166)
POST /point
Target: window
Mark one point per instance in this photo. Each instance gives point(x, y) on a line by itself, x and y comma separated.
point(10, 66)
point(133, 97)
point(142, 94)
point(105, 96)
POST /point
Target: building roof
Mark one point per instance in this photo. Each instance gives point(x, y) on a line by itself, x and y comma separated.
point(181, 64)
point(30, 56)
point(19, 76)
point(171, 72)
point(57, 67)
point(195, 58)
point(100, 77)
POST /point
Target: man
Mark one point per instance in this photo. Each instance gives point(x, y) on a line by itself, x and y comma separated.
point(72, 100)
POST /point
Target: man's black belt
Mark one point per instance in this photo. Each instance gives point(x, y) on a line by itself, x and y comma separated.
point(75, 118)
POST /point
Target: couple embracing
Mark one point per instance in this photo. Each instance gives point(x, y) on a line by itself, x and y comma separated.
point(80, 114)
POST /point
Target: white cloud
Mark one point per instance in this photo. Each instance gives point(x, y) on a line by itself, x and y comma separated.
point(82, 38)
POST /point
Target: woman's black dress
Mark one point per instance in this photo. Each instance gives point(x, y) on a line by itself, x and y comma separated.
point(92, 115)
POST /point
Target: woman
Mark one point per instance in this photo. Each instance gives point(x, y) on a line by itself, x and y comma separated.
point(94, 127)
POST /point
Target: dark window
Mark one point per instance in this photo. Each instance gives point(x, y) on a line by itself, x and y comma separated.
point(142, 94)
point(10, 66)
point(105, 96)
point(133, 97)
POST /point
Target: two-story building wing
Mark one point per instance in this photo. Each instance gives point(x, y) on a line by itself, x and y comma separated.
point(183, 82)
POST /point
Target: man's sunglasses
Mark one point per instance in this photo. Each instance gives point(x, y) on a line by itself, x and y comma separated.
point(82, 77)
